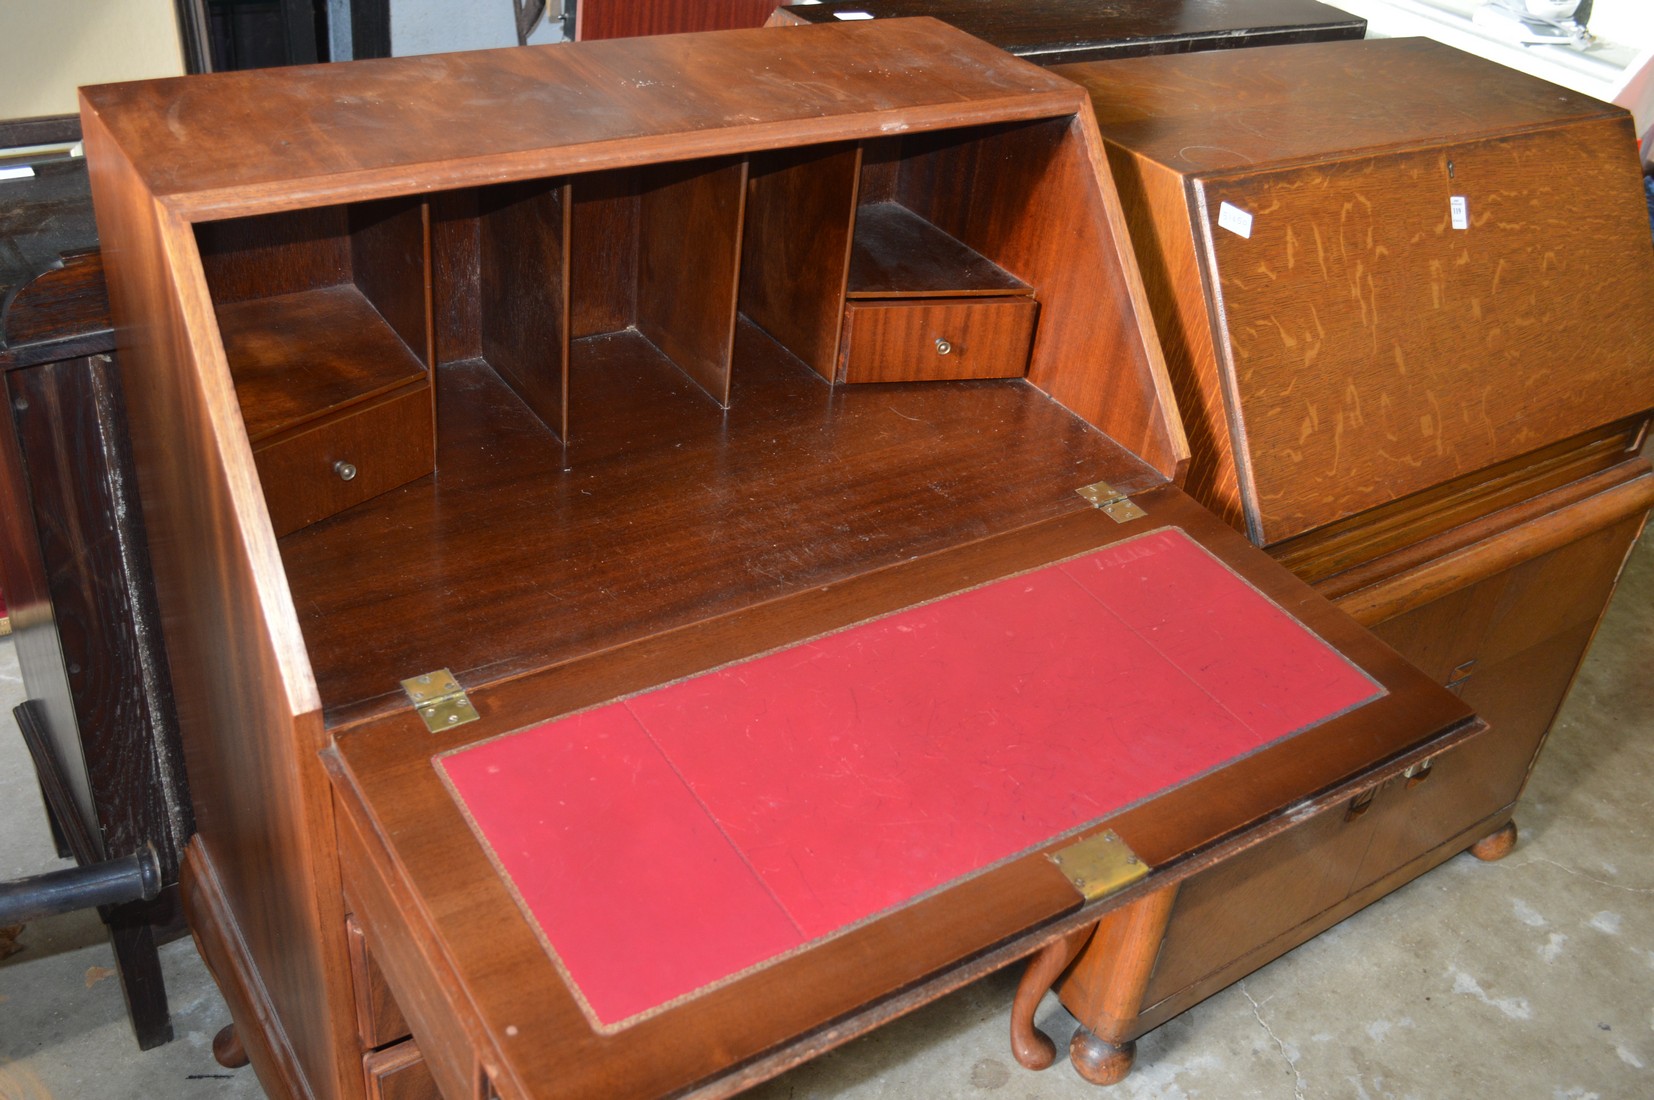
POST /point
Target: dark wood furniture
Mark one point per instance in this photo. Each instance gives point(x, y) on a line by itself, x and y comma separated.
point(1055, 32)
point(1406, 299)
point(640, 286)
point(74, 567)
point(595, 19)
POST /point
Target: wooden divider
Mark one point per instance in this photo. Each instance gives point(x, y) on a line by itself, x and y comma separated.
point(523, 231)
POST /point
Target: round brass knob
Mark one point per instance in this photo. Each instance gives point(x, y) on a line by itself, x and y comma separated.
point(942, 346)
point(345, 470)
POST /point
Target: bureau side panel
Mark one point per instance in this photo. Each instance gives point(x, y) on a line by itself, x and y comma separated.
point(1158, 212)
point(247, 705)
point(1040, 202)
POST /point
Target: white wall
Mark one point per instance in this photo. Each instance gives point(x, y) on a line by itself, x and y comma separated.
point(440, 26)
point(48, 48)
point(1628, 21)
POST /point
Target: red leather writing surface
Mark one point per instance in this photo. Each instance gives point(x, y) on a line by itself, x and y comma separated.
point(664, 842)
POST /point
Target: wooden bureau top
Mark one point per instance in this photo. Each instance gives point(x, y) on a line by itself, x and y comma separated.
point(1078, 30)
point(1227, 109)
point(243, 142)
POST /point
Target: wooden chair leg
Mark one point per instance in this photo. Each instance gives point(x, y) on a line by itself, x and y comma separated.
point(60, 839)
point(1031, 1047)
point(1496, 845)
point(138, 962)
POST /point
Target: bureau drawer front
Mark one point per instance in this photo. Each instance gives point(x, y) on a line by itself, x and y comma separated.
point(1508, 643)
point(1444, 796)
point(385, 443)
point(378, 1019)
point(1228, 911)
point(930, 341)
point(399, 1073)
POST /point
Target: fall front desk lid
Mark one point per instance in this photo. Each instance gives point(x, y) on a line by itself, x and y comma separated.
point(665, 843)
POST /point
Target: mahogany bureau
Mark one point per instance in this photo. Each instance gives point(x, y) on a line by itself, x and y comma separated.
point(1406, 299)
point(504, 420)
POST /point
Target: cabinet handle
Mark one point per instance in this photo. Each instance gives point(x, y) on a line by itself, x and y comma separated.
point(345, 470)
point(943, 347)
point(1419, 772)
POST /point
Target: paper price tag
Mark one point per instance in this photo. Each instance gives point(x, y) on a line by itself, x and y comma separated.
point(1460, 210)
point(1234, 219)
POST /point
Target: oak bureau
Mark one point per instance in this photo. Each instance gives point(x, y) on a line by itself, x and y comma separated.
point(1406, 299)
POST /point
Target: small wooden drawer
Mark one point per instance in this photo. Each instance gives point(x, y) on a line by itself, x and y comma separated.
point(1437, 800)
point(399, 1073)
point(930, 340)
point(336, 463)
point(378, 1019)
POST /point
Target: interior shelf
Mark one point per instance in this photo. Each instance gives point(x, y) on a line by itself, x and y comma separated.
point(897, 253)
point(664, 509)
point(310, 353)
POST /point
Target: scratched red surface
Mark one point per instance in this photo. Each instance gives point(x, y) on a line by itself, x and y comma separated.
point(670, 840)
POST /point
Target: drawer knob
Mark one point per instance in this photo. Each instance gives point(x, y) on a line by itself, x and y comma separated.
point(345, 470)
point(943, 347)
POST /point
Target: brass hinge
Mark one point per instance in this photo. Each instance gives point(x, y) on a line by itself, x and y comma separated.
point(1115, 504)
point(1099, 865)
point(439, 700)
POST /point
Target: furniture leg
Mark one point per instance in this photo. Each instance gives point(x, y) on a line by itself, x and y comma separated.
point(1031, 1047)
point(1497, 845)
point(60, 839)
point(1099, 1061)
point(227, 1050)
point(1104, 989)
point(138, 962)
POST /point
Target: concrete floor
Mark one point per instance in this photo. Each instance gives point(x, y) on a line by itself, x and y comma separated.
point(1529, 978)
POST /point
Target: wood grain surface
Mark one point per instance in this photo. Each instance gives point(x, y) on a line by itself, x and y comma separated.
point(1358, 349)
point(115, 729)
point(379, 1021)
point(523, 291)
point(308, 136)
point(1226, 110)
point(896, 253)
point(1377, 350)
point(380, 444)
point(937, 339)
point(690, 219)
point(1076, 251)
point(801, 208)
point(236, 653)
point(297, 356)
point(676, 509)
